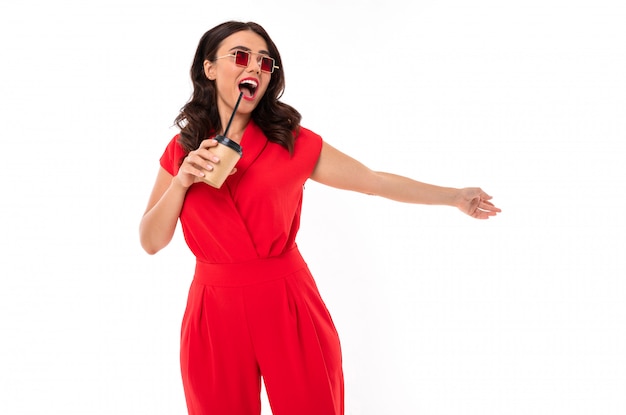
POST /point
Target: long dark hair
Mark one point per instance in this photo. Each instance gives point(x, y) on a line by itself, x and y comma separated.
point(199, 118)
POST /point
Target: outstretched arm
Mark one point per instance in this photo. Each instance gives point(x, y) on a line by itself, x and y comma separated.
point(339, 170)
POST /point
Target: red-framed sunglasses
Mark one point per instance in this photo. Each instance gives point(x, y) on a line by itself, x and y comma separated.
point(242, 58)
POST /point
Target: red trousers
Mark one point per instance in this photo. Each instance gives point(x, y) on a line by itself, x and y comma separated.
point(259, 318)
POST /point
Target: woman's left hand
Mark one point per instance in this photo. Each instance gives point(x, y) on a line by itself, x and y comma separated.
point(475, 202)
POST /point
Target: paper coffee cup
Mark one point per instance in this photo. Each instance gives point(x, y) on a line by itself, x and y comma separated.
point(229, 152)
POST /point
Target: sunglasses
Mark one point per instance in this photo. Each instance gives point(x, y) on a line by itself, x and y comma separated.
point(242, 58)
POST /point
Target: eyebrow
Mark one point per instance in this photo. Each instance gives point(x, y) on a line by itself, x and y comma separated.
point(262, 52)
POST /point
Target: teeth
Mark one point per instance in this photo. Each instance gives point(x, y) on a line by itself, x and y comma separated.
point(250, 82)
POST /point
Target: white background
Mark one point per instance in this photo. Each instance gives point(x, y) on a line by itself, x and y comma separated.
point(438, 313)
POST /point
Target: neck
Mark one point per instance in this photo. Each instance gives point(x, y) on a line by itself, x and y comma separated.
point(237, 126)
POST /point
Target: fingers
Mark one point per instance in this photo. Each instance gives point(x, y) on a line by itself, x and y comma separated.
point(485, 205)
point(482, 214)
point(476, 203)
point(208, 143)
point(190, 167)
point(484, 210)
point(482, 194)
point(202, 158)
point(197, 161)
point(204, 151)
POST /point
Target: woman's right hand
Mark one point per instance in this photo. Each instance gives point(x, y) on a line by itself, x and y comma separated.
point(197, 162)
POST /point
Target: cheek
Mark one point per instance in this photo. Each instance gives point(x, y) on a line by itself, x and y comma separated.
point(228, 74)
point(263, 90)
point(226, 78)
point(265, 86)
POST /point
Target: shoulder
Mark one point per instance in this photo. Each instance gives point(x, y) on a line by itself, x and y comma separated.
point(307, 150)
point(308, 141)
point(305, 132)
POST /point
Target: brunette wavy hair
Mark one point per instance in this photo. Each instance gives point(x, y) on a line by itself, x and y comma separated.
point(199, 118)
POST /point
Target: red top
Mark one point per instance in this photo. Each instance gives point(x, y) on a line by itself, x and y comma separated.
point(256, 212)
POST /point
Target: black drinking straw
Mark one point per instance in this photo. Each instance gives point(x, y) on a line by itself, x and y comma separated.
point(233, 114)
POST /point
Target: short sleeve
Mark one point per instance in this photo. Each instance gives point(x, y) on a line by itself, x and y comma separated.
point(309, 147)
point(170, 160)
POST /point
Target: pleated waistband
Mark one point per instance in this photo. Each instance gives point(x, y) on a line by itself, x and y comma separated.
point(249, 272)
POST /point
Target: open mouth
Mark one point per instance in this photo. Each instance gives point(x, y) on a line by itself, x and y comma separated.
point(248, 87)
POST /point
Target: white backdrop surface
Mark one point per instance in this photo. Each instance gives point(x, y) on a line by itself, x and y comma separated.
point(437, 313)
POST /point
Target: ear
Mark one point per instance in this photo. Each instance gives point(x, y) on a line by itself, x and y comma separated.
point(209, 70)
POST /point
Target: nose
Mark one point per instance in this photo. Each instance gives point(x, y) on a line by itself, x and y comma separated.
point(255, 63)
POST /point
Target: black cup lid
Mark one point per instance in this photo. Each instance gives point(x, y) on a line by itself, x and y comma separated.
point(229, 143)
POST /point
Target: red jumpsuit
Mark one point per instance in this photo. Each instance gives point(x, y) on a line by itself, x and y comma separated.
point(253, 308)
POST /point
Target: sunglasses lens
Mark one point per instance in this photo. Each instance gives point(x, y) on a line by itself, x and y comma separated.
point(241, 58)
point(267, 64)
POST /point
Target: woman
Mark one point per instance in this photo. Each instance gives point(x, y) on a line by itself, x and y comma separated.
point(253, 308)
